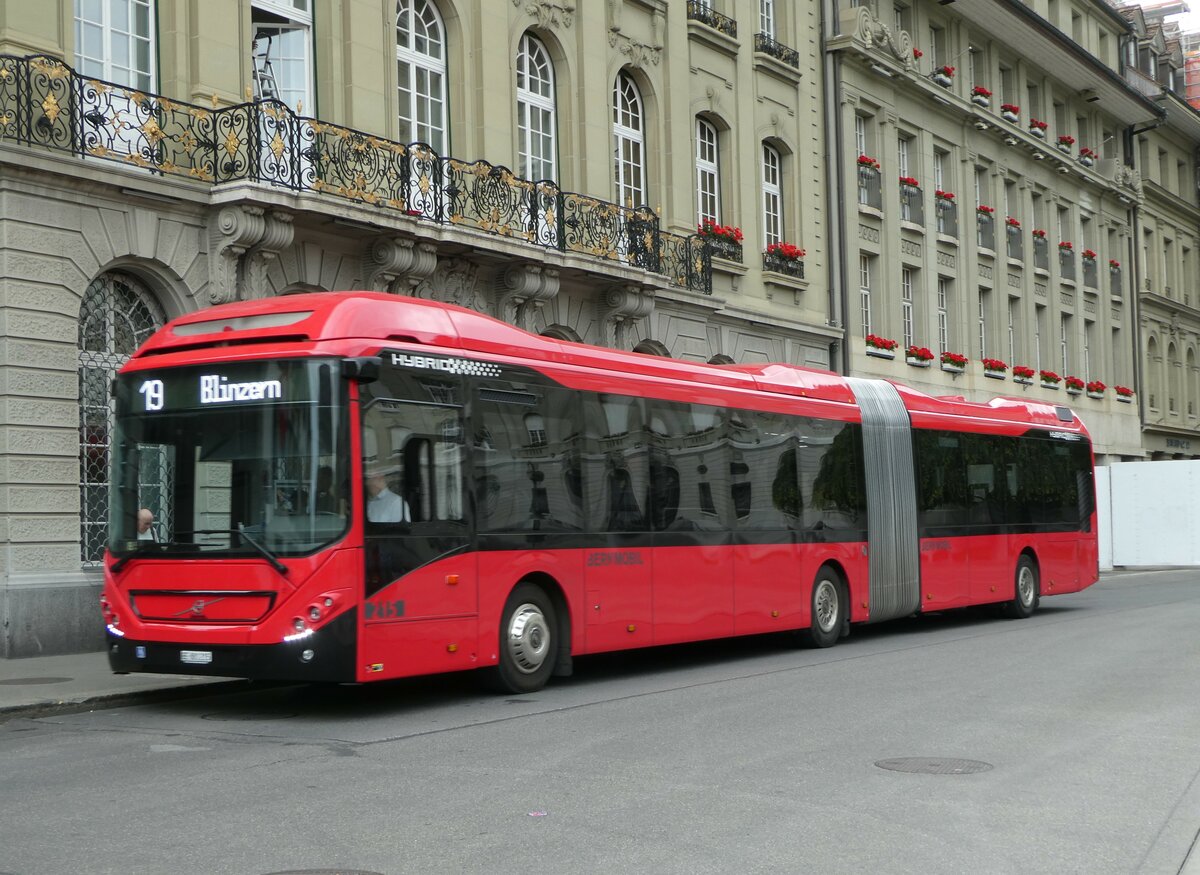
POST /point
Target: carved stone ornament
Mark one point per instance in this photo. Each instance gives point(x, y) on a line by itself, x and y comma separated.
point(621, 308)
point(245, 239)
point(455, 281)
point(549, 14)
point(873, 33)
point(397, 264)
point(523, 290)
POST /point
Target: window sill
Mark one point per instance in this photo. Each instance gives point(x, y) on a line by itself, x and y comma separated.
point(948, 240)
point(912, 226)
point(987, 253)
point(868, 210)
point(1017, 262)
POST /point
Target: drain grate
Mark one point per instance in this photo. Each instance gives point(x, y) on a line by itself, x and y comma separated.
point(934, 765)
point(31, 682)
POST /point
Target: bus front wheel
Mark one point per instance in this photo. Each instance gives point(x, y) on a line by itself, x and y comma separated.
point(528, 642)
point(829, 607)
point(1026, 590)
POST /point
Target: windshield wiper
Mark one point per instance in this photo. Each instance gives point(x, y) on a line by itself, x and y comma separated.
point(259, 548)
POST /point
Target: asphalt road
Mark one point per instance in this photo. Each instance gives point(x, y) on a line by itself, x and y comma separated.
point(1069, 742)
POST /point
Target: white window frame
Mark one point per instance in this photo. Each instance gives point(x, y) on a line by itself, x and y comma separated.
point(864, 292)
point(299, 20)
point(105, 66)
point(708, 173)
point(1064, 343)
point(629, 142)
point(772, 188)
point(537, 111)
point(432, 66)
point(766, 18)
point(906, 304)
point(860, 134)
point(1013, 303)
point(983, 305)
point(943, 303)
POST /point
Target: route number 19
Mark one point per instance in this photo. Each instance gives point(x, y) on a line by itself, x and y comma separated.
point(153, 390)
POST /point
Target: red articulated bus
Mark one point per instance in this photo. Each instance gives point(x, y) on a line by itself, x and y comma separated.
point(352, 486)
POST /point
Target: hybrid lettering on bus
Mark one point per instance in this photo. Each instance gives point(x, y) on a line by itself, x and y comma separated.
point(356, 486)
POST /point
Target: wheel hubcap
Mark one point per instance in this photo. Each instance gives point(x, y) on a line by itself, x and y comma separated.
point(1025, 585)
point(825, 605)
point(528, 638)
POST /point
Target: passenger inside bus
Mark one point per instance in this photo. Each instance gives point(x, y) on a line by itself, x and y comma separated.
point(383, 504)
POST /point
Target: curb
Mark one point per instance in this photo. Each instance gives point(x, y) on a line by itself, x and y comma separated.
point(118, 700)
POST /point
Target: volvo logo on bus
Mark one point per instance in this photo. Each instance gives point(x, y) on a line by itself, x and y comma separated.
point(217, 390)
point(450, 366)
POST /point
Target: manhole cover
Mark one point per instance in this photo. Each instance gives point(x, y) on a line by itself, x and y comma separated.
point(934, 765)
point(22, 682)
point(249, 716)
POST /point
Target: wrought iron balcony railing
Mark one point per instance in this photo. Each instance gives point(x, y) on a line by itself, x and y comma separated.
point(699, 10)
point(1015, 243)
point(777, 50)
point(1041, 253)
point(870, 191)
point(985, 231)
point(1091, 273)
point(1066, 264)
point(45, 103)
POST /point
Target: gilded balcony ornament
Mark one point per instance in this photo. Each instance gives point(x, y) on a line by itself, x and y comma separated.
point(424, 184)
point(99, 150)
point(50, 108)
point(550, 217)
point(231, 144)
point(153, 132)
point(5, 74)
point(188, 142)
point(277, 147)
point(6, 119)
point(50, 68)
point(98, 87)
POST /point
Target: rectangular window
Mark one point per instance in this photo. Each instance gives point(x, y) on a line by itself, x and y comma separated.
point(860, 134)
point(864, 293)
point(939, 169)
point(1039, 334)
point(282, 46)
point(115, 41)
point(906, 303)
point(766, 17)
point(983, 308)
point(1013, 317)
point(943, 304)
point(1064, 327)
point(903, 147)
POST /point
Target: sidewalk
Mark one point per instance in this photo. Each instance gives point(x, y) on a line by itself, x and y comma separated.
point(79, 681)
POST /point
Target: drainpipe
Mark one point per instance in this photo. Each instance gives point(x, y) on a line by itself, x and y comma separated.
point(835, 192)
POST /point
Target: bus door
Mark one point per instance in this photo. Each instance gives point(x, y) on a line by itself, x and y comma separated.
point(421, 584)
point(618, 560)
point(696, 484)
point(943, 498)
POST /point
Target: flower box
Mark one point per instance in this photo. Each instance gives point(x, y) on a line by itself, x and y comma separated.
point(1124, 394)
point(774, 261)
point(952, 369)
point(954, 363)
point(1074, 385)
point(918, 356)
point(980, 100)
point(722, 247)
point(940, 78)
point(994, 374)
point(1095, 394)
point(1024, 381)
point(1125, 399)
point(881, 347)
point(1071, 391)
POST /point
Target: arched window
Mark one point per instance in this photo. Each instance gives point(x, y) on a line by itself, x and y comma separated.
point(708, 174)
point(421, 73)
point(116, 315)
point(772, 189)
point(629, 143)
point(1174, 379)
point(537, 121)
point(1154, 366)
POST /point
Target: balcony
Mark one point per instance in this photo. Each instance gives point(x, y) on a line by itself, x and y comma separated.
point(947, 217)
point(1014, 242)
point(1066, 264)
point(45, 104)
point(701, 11)
point(768, 46)
point(912, 205)
point(1091, 273)
point(1041, 253)
point(1115, 287)
point(985, 231)
point(870, 192)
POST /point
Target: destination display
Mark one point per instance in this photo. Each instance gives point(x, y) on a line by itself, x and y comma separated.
point(225, 385)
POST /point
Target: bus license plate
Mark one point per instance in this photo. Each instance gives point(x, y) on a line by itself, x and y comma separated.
point(195, 657)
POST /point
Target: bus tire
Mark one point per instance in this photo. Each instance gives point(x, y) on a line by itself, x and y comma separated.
point(1026, 590)
point(829, 606)
point(528, 642)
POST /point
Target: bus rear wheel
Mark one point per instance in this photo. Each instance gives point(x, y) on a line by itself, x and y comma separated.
point(829, 605)
point(528, 642)
point(1026, 590)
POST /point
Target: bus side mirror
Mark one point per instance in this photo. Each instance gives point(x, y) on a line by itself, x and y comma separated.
point(361, 369)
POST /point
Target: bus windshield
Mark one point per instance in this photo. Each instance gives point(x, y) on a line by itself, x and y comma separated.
point(238, 459)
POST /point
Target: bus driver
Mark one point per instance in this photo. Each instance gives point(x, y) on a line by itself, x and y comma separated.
point(383, 505)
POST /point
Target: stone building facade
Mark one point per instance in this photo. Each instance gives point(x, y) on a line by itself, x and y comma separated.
point(545, 161)
point(993, 179)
